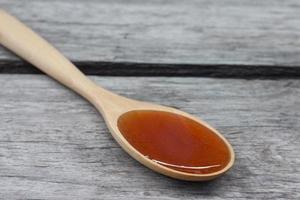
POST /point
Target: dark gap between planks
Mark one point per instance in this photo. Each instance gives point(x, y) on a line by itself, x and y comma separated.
point(157, 69)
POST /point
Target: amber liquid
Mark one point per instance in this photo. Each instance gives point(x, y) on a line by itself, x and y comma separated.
point(174, 141)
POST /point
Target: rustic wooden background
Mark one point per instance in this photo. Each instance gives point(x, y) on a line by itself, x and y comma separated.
point(234, 63)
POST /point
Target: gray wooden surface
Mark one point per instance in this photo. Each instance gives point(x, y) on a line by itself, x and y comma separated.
point(54, 145)
point(238, 32)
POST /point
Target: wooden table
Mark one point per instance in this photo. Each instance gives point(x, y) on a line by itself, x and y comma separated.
point(235, 64)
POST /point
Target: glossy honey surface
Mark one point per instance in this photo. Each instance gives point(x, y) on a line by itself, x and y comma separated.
point(174, 141)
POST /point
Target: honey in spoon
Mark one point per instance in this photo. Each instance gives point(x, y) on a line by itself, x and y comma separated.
point(174, 141)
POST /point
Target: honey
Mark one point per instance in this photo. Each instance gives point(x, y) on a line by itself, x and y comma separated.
point(174, 141)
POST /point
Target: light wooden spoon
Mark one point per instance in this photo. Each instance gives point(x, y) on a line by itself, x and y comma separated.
point(24, 42)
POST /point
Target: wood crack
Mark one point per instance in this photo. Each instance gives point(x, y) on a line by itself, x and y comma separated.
point(159, 69)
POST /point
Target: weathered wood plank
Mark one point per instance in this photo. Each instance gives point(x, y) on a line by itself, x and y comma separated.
point(54, 145)
point(230, 32)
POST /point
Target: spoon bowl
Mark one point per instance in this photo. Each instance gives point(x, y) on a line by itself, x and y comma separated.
point(116, 110)
point(113, 107)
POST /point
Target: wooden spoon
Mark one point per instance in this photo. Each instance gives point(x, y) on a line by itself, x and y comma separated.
point(24, 42)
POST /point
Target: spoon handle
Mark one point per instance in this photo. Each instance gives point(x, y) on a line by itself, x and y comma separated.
point(20, 39)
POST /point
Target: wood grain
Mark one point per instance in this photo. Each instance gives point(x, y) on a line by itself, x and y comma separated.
point(201, 32)
point(54, 145)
